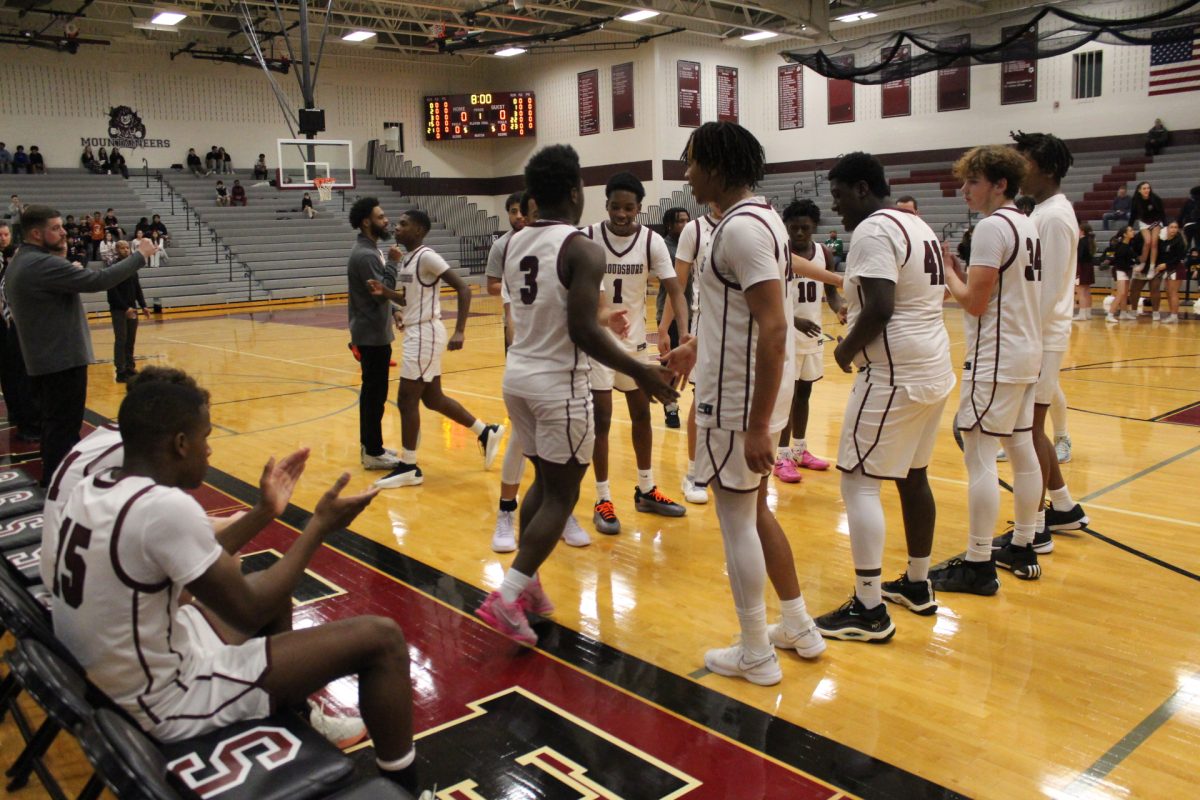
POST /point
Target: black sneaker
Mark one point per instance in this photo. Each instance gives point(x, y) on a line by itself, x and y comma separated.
point(916, 596)
point(1071, 520)
point(655, 502)
point(1042, 541)
point(971, 577)
point(672, 417)
point(402, 475)
point(1021, 561)
point(854, 622)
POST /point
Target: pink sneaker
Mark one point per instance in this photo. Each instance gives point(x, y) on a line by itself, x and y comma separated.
point(508, 618)
point(534, 599)
point(809, 461)
point(785, 470)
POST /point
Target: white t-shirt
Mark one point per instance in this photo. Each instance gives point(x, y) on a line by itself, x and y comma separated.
point(629, 261)
point(1004, 344)
point(495, 260)
point(418, 276)
point(1058, 231)
point(808, 296)
point(695, 242)
point(914, 349)
point(130, 546)
point(100, 450)
point(750, 246)
point(542, 363)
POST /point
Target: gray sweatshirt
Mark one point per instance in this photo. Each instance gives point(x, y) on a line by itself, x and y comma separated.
point(370, 316)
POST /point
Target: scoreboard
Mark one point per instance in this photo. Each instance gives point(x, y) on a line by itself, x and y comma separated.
point(486, 115)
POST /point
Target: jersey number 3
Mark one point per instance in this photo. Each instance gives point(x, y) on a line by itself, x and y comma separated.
point(71, 568)
point(529, 265)
point(1033, 270)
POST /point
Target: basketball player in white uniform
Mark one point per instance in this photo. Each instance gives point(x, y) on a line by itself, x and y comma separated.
point(802, 219)
point(632, 253)
point(743, 362)
point(894, 285)
point(1048, 160)
point(692, 253)
point(132, 540)
point(553, 275)
point(419, 297)
point(999, 294)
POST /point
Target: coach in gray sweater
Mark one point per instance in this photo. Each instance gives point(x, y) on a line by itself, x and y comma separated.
point(371, 325)
point(43, 290)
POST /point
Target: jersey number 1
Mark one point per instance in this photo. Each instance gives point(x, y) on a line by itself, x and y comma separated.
point(71, 568)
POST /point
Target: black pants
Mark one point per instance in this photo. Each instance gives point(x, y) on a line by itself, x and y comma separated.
point(124, 336)
point(14, 382)
point(373, 397)
point(62, 396)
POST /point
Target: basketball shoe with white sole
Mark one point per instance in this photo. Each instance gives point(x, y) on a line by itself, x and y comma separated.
point(807, 644)
point(733, 662)
point(489, 443)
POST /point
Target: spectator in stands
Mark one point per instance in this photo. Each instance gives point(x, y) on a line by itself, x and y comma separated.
point(1157, 138)
point(1085, 273)
point(20, 160)
point(15, 207)
point(70, 226)
point(108, 249)
point(222, 194)
point(5, 159)
point(156, 224)
point(226, 161)
point(1025, 204)
point(102, 160)
point(237, 194)
point(1146, 216)
point(1124, 259)
point(1189, 218)
point(88, 160)
point(79, 247)
point(1120, 207)
point(43, 290)
point(23, 413)
point(143, 226)
point(306, 205)
point(37, 164)
point(193, 163)
point(160, 250)
point(113, 225)
point(124, 300)
point(907, 202)
point(260, 167)
point(836, 248)
point(96, 235)
point(212, 160)
point(116, 164)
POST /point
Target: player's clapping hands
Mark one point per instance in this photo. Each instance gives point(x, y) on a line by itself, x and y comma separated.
point(279, 479)
point(335, 512)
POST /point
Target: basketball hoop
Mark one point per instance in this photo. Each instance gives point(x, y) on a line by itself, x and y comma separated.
point(324, 188)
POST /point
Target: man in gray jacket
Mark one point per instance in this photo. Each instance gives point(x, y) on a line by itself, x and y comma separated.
point(371, 325)
point(43, 290)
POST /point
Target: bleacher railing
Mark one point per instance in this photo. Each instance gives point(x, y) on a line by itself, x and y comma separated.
point(473, 252)
point(461, 217)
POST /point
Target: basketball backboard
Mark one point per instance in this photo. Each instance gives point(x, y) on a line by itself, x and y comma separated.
point(301, 161)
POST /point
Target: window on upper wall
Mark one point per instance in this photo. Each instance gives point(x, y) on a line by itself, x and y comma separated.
point(1088, 70)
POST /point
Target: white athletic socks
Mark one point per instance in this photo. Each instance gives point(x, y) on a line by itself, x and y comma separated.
point(404, 762)
point(867, 589)
point(799, 445)
point(477, 427)
point(918, 569)
point(864, 515)
point(1061, 499)
point(646, 480)
point(603, 492)
point(795, 615)
point(1027, 486)
point(783, 451)
point(691, 469)
point(514, 583)
point(408, 456)
point(1040, 523)
point(753, 622)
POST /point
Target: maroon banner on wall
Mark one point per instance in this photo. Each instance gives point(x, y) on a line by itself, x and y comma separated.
point(954, 82)
point(896, 93)
point(687, 76)
point(1018, 73)
point(622, 96)
point(841, 94)
point(727, 94)
point(589, 102)
point(790, 78)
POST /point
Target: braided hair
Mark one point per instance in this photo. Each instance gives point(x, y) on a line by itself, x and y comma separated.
point(729, 150)
point(1049, 152)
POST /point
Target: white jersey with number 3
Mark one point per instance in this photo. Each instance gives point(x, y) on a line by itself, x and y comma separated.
point(543, 363)
point(628, 263)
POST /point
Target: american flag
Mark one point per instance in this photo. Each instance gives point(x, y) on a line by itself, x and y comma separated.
point(1175, 63)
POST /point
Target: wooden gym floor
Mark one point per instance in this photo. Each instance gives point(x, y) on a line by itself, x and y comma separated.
point(1085, 683)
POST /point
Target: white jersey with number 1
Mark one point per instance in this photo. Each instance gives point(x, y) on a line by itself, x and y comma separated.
point(628, 263)
point(419, 276)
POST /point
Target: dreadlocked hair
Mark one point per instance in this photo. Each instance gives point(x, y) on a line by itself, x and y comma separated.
point(729, 150)
point(1049, 152)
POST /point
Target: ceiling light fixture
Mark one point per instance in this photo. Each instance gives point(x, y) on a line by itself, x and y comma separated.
point(758, 36)
point(358, 36)
point(168, 18)
point(638, 16)
point(859, 17)
point(510, 51)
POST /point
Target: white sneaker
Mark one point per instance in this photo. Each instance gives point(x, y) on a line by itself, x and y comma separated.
point(504, 537)
point(386, 461)
point(697, 495)
point(1170, 319)
point(1062, 448)
point(732, 663)
point(1110, 318)
point(809, 643)
point(575, 535)
point(1129, 315)
point(489, 443)
point(1083, 315)
point(402, 475)
point(1001, 455)
point(342, 732)
point(1154, 316)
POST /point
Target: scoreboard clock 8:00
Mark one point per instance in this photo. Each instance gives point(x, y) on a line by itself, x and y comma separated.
point(486, 115)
